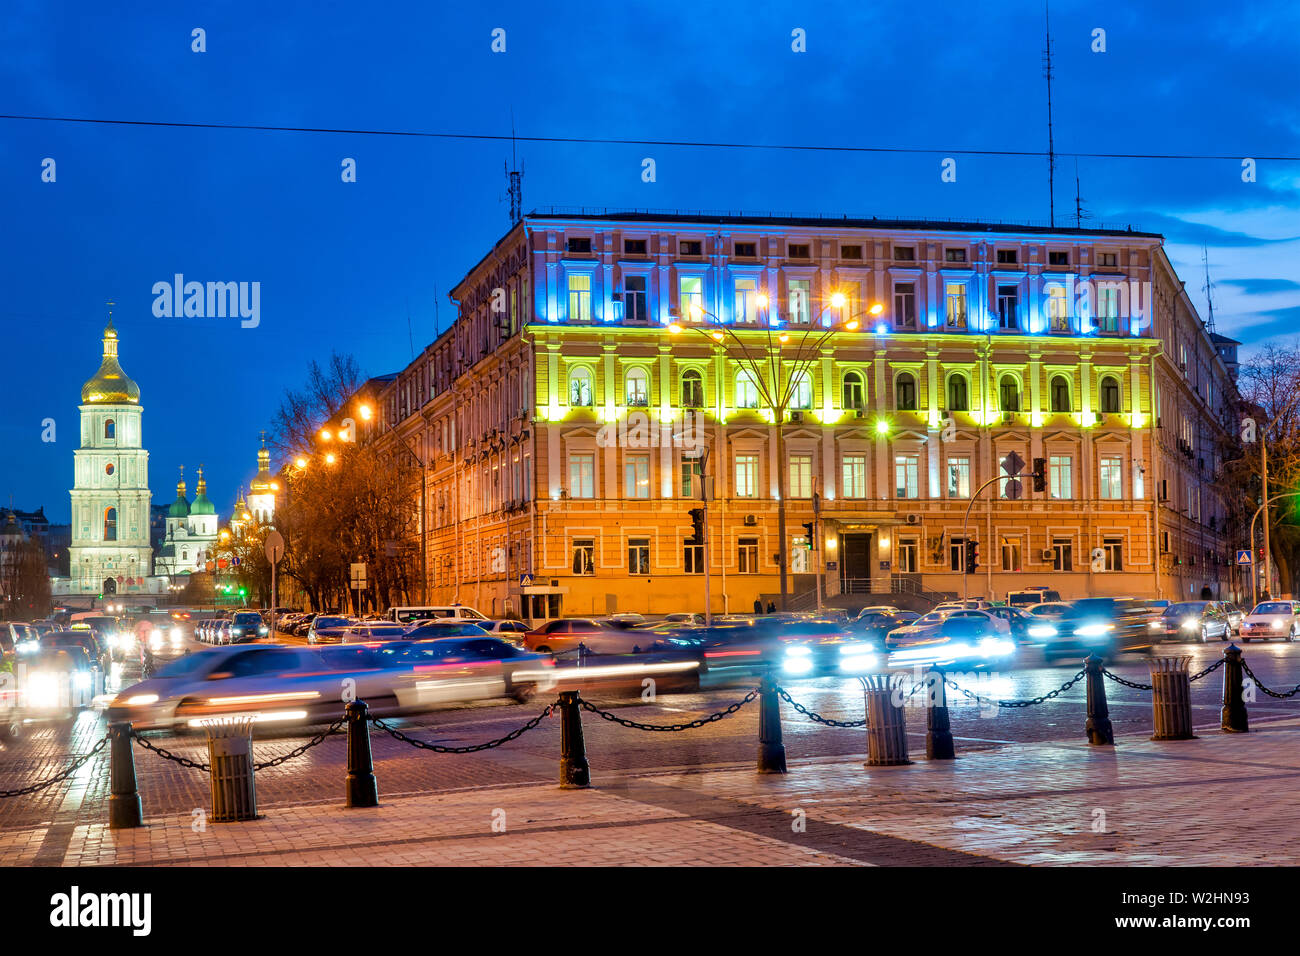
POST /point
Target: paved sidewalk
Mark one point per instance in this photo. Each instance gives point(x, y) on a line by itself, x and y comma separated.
point(1218, 800)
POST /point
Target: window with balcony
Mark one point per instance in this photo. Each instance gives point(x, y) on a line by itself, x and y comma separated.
point(1009, 308)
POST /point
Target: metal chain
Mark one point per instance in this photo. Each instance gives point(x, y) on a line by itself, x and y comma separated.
point(1017, 703)
point(299, 751)
point(437, 748)
point(167, 754)
point(818, 718)
point(61, 775)
point(1127, 683)
point(1271, 693)
point(671, 728)
point(1209, 670)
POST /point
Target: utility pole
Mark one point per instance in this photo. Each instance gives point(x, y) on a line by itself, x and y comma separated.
point(705, 495)
point(1051, 146)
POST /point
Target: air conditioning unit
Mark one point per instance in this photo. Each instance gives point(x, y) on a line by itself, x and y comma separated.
point(1047, 554)
point(913, 519)
point(1008, 418)
point(750, 521)
point(796, 417)
point(860, 413)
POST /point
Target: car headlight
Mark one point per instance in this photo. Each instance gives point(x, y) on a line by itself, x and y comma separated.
point(141, 700)
point(1094, 630)
point(81, 679)
point(996, 647)
point(797, 651)
point(958, 649)
point(42, 690)
point(1042, 630)
point(262, 631)
point(1190, 624)
point(1156, 626)
point(1278, 624)
point(176, 635)
point(28, 647)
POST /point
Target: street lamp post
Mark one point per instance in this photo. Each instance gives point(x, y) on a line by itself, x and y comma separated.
point(1254, 578)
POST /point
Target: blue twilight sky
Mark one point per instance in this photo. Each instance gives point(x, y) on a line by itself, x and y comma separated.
point(344, 265)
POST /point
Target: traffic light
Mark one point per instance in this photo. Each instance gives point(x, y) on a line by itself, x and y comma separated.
point(972, 556)
point(808, 529)
point(1040, 474)
point(697, 525)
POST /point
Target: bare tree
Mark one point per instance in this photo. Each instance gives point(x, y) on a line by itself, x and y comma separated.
point(302, 410)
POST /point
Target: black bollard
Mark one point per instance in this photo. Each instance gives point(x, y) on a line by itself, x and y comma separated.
point(575, 773)
point(771, 749)
point(938, 729)
point(1099, 729)
point(362, 787)
point(124, 807)
point(1234, 701)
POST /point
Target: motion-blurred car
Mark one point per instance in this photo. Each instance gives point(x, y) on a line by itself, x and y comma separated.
point(509, 630)
point(1018, 620)
point(1270, 619)
point(683, 617)
point(363, 632)
point(1027, 597)
point(56, 681)
point(327, 629)
point(1000, 624)
point(822, 648)
point(971, 640)
point(564, 635)
point(83, 638)
point(1191, 621)
point(444, 627)
point(1101, 626)
point(873, 623)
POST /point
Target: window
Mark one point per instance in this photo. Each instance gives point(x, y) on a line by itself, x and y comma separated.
point(1058, 476)
point(955, 297)
point(1058, 258)
point(582, 476)
point(1007, 256)
point(692, 389)
point(580, 388)
point(957, 553)
point(110, 524)
point(747, 556)
point(691, 247)
point(1114, 552)
point(746, 389)
point(958, 399)
point(634, 247)
point(1108, 259)
point(110, 429)
point(1108, 307)
point(579, 245)
point(799, 300)
point(800, 476)
point(637, 384)
point(690, 471)
point(579, 298)
point(954, 255)
point(1110, 401)
point(636, 476)
point(801, 391)
point(1062, 554)
point(584, 556)
point(634, 300)
point(747, 250)
point(693, 558)
point(638, 555)
point(907, 556)
point(905, 392)
point(1060, 394)
point(746, 475)
point(1008, 308)
point(906, 471)
point(690, 297)
point(1009, 394)
point(185, 554)
point(1012, 559)
point(853, 476)
point(959, 477)
point(798, 250)
point(1058, 318)
point(905, 305)
point(850, 252)
point(746, 300)
point(854, 392)
point(1112, 478)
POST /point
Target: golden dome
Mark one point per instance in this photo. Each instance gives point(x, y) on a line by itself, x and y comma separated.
point(110, 385)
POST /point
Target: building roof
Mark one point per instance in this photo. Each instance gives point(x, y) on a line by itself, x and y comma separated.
point(110, 385)
point(1218, 339)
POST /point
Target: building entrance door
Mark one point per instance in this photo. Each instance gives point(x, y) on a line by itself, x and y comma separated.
point(855, 562)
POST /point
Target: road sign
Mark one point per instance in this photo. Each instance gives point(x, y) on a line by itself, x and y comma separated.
point(274, 546)
point(1244, 557)
point(525, 580)
point(1013, 489)
point(1012, 464)
point(359, 576)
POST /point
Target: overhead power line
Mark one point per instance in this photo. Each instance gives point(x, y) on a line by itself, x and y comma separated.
point(610, 141)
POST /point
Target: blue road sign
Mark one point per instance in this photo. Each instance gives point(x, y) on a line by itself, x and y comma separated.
point(1244, 556)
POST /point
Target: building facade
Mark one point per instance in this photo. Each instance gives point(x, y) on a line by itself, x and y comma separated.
point(191, 532)
point(594, 356)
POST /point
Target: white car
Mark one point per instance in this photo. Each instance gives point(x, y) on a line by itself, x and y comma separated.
point(1002, 626)
point(967, 638)
point(1272, 619)
point(974, 604)
point(454, 612)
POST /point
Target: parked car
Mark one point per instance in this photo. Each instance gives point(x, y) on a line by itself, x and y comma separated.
point(1192, 621)
point(303, 624)
point(221, 631)
point(973, 604)
point(509, 630)
point(1270, 619)
point(683, 617)
point(364, 632)
point(1027, 597)
point(564, 635)
point(409, 615)
point(327, 629)
point(247, 625)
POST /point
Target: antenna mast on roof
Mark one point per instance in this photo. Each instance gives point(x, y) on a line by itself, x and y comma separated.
point(516, 177)
point(1209, 290)
point(1051, 145)
point(1079, 213)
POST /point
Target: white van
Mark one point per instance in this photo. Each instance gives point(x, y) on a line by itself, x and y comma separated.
point(448, 612)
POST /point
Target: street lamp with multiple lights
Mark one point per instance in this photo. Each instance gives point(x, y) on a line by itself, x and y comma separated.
point(797, 349)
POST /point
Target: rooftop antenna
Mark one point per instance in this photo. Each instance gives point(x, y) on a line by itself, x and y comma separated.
point(1208, 289)
point(516, 175)
point(1051, 145)
point(437, 313)
point(1079, 213)
point(410, 335)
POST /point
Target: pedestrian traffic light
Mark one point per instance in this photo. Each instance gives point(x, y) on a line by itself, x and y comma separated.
point(697, 525)
point(972, 556)
point(808, 529)
point(1040, 474)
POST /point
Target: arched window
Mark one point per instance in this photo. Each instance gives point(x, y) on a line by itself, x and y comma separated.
point(110, 524)
point(1009, 394)
point(958, 398)
point(905, 392)
point(638, 387)
point(1060, 392)
point(580, 388)
point(1110, 400)
point(801, 391)
point(185, 555)
point(110, 428)
point(746, 390)
point(855, 396)
point(692, 389)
